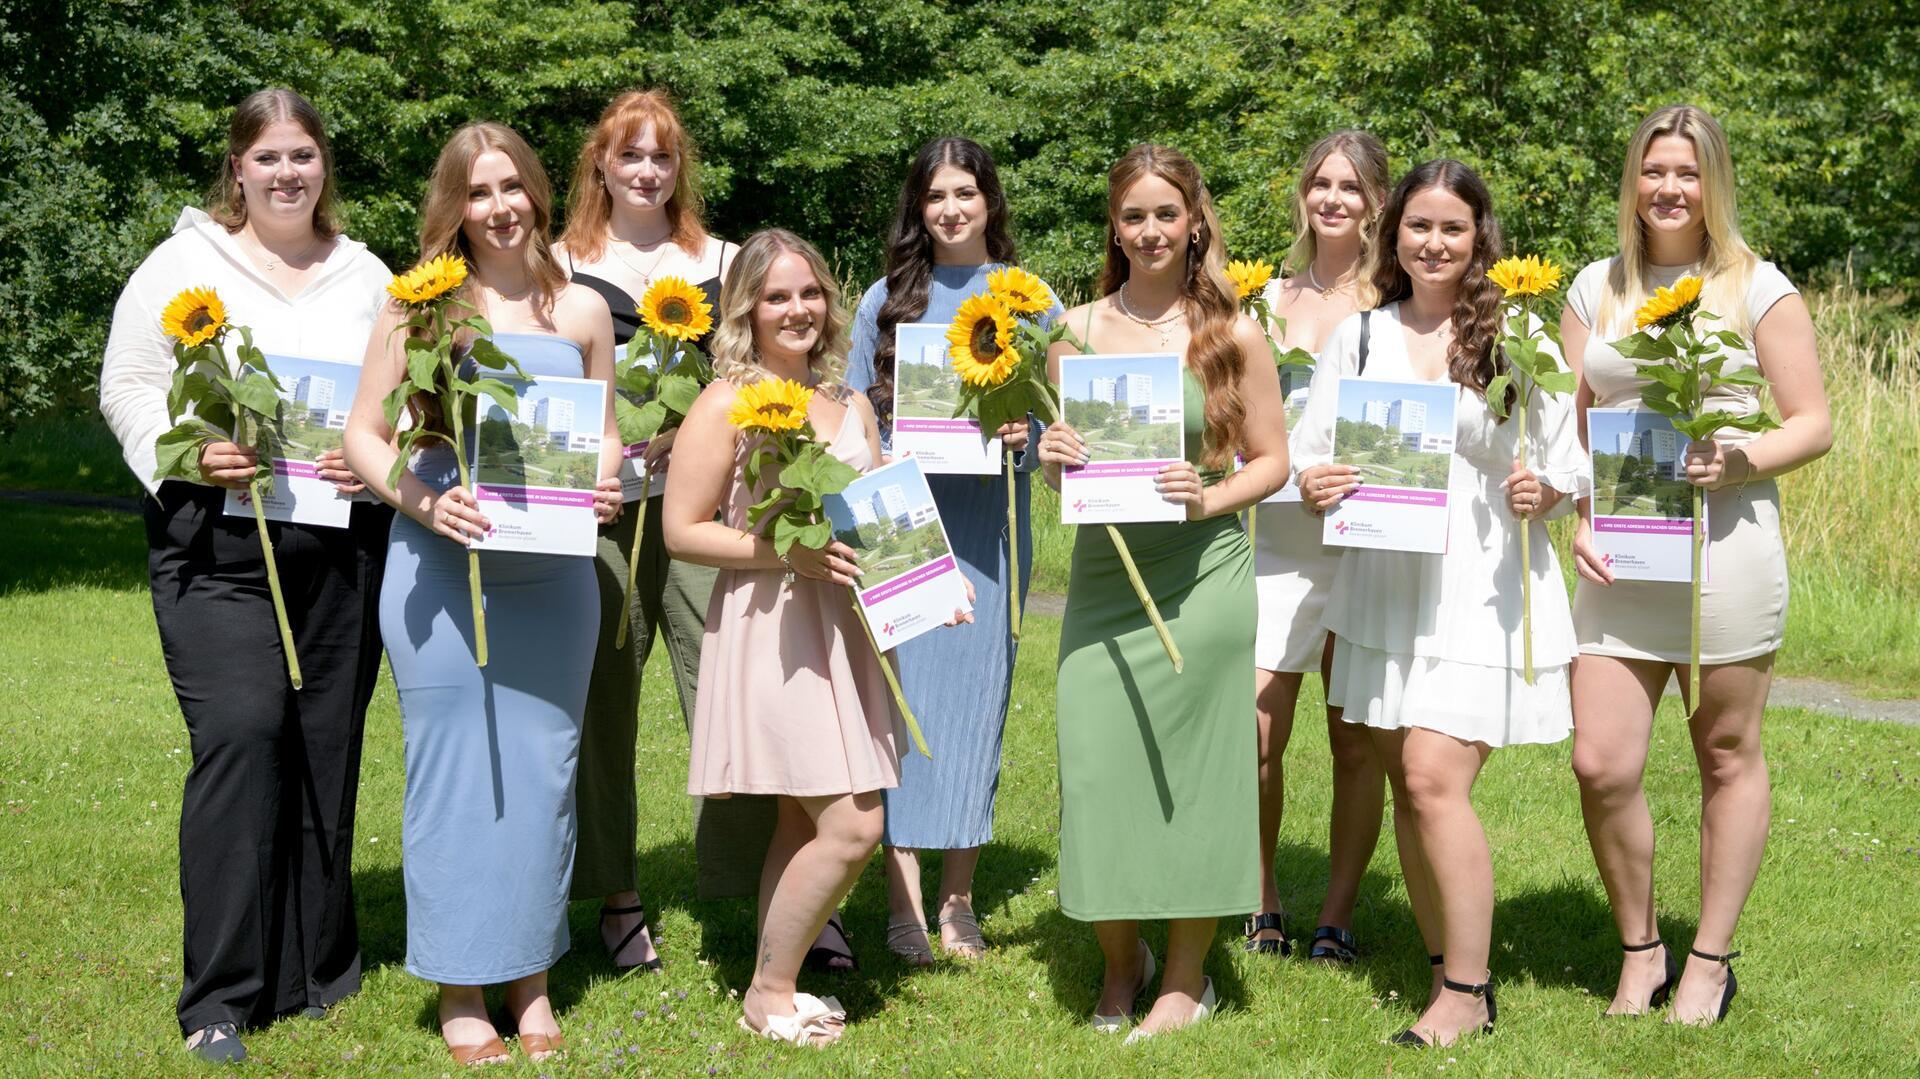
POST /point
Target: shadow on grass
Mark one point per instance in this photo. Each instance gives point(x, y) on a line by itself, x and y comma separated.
point(1564, 936)
point(54, 547)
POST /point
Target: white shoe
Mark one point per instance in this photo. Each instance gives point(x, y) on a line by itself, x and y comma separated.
point(1114, 1024)
point(1200, 1011)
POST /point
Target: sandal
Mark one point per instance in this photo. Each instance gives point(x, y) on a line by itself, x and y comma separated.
point(1260, 923)
point(825, 959)
point(816, 1023)
point(1726, 994)
point(491, 1051)
point(908, 940)
point(217, 1043)
point(1411, 1036)
point(969, 944)
point(1662, 992)
point(613, 953)
point(543, 1046)
point(1333, 944)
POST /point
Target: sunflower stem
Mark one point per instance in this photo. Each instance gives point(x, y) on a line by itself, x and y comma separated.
point(893, 681)
point(1013, 555)
point(273, 586)
point(473, 556)
point(1146, 600)
point(1526, 554)
point(1693, 668)
point(633, 557)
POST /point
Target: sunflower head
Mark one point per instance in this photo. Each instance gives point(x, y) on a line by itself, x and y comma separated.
point(194, 317)
point(673, 308)
point(980, 342)
point(1530, 276)
point(1669, 305)
point(429, 281)
point(771, 405)
point(1248, 277)
point(1019, 291)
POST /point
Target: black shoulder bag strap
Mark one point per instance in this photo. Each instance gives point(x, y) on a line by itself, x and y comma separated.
point(1366, 328)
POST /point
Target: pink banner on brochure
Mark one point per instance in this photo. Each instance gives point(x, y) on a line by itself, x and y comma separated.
point(905, 581)
point(535, 496)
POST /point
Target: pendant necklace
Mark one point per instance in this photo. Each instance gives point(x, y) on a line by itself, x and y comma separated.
point(1166, 334)
point(646, 275)
point(1314, 280)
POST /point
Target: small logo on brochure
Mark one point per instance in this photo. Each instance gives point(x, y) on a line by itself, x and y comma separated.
point(1340, 527)
point(887, 628)
point(1079, 504)
point(245, 497)
point(1607, 560)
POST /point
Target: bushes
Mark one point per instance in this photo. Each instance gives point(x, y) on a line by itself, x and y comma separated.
point(112, 115)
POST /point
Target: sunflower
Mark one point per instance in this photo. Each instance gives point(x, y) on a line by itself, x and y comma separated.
point(1019, 291)
point(1530, 276)
point(980, 342)
point(1248, 277)
point(1669, 305)
point(771, 405)
point(194, 317)
point(673, 308)
point(429, 281)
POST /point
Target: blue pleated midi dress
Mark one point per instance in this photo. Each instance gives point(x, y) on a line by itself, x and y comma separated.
point(487, 829)
point(956, 680)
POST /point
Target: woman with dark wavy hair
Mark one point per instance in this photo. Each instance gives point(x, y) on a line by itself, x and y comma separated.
point(949, 232)
point(1427, 647)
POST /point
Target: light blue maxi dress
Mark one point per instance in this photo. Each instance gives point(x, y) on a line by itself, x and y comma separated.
point(956, 680)
point(487, 829)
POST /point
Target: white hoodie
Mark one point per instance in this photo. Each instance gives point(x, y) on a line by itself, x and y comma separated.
point(331, 319)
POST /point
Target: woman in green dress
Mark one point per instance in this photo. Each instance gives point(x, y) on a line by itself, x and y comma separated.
point(1158, 769)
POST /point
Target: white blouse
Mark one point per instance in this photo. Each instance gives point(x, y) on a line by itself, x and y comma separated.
point(330, 319)
point(1463, 606)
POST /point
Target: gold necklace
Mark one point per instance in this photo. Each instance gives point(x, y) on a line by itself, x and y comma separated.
point(272, 261)
point(1166, 335)
point(646, 276)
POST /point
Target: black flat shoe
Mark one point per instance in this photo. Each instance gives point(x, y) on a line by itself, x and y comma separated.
point(826, 959)
point(613, 953)
point(1333, 944)
point(1410, 1037)
point(1268, 920)
point(219, 1044)
point(1662, 992)
point(1733, 983)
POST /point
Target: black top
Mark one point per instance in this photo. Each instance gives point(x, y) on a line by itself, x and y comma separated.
point(626, 311)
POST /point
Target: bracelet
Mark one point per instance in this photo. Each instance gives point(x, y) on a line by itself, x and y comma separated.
point(787, 561)
point(1747, 470)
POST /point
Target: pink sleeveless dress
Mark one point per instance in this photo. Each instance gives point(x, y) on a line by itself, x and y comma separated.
point(792, 699)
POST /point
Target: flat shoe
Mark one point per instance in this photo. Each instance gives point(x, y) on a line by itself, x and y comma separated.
point(908, 940)
point(542, 1046)
point(969, 938)
point(219, 1044)
point(468, 1056)
point(816, 1023)
point(1200, 1011)
point(1114, 1024)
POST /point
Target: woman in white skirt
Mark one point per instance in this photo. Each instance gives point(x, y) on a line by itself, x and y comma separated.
point(1427, 648)
point(1335, 206)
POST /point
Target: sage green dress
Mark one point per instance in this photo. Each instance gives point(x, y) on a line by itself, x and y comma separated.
point(1159, 783)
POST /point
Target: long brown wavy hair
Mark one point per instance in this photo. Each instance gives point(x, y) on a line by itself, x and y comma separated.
point(589, 207)
point(226, 203)
point(1473, 356)
point(910, 249)
point(1209, 300)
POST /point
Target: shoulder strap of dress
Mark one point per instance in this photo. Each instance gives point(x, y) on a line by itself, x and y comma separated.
point(1366, 331)
point(1086, 339)
point(721, 270)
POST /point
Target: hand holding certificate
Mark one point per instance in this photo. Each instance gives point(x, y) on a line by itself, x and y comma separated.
point(315, 396)
point(536, 465)
point(1642, 503)
point(1399, 437)
point(909, 581)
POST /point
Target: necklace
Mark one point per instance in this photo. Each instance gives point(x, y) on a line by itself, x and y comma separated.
point(1166, 335)
point(272, 261)
point(646, 276)
point(1314, 280)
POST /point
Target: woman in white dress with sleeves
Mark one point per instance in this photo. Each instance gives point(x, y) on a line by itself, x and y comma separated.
point(1428, 648)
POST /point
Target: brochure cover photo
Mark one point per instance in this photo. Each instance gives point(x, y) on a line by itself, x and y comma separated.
point(1400, 436)
point(909, 582)
point(925, 392)
point(316, 396)
point(535, 468)
point(1130, 412)
point(1642, 504)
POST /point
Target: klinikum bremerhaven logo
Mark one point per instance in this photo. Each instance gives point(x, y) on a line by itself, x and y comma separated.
point(1079, 504)
point(1340, 527)
point(887, 628)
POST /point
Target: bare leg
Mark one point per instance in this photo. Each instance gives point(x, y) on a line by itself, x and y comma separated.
point(1736, 805)
point(1188, 941)
point(1275, 693)
point(799, 900)
point(1418, 879)
point(532, 1011)
point(956, 900)
point(1120, 984)
point(1359, 796)
point(463, 1018)
point(1613, 707)
point(1439, 774)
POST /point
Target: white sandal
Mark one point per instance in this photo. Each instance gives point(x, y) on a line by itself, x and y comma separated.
point(816, 1022)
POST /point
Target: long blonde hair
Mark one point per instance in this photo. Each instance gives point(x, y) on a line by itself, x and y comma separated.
point(734, 355)
point(590, 208)
point(1727, 264)
point(1368, 156)
point(443, 214)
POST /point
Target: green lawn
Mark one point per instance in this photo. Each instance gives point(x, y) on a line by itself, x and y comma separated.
point(92, 754)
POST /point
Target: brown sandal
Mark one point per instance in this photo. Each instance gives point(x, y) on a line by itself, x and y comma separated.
point(475, 1055)
point(542, 1046)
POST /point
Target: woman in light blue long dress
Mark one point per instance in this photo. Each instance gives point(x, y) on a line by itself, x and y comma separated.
point(488, 828)
point(950, 232)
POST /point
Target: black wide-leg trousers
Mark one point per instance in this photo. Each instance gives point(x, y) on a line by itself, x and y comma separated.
point(266, 820)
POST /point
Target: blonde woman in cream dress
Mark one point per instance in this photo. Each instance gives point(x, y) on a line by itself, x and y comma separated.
point(1676, 218)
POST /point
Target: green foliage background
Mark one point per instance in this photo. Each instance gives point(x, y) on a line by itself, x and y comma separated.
point(112, 114)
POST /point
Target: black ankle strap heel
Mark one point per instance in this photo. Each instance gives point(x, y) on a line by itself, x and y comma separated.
point(1483, 990)
point(1733, 983)
point(1436, 960)
point(1664, 991)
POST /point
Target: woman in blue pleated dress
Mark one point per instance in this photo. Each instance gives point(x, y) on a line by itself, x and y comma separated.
point(488, 823)
point(949, 233)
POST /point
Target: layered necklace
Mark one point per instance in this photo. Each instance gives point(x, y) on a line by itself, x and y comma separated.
point(1162, 326)
point(646, 276)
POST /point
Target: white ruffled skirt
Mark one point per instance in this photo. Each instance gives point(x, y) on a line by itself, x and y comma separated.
point(1491, 705)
